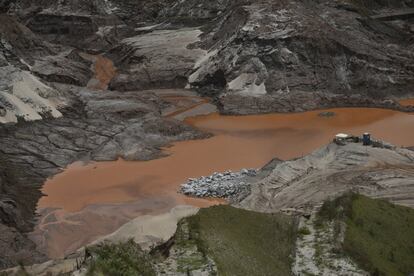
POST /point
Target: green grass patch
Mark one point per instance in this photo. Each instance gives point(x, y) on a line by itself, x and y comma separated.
point(244, 242)
point(121, 259)
point(379, 235)
point(304, 231)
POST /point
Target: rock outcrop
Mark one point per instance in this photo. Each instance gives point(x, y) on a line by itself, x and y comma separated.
point(267, 51)
point(100, 126)
point(23, 96)
point(27, 65)
point(275, 56)
point(159, 59)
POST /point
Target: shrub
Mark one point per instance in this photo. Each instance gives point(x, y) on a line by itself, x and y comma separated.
point(121, 259)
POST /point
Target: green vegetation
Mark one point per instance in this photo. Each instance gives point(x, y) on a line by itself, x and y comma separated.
point(304, 231)
point(379, 235)
point(122, 259)
point(244, 242)
point(190, 258)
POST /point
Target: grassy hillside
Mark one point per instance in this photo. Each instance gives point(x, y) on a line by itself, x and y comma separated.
point(121, 259)
point(379, 235)
point(240, 242)
point(244, 242)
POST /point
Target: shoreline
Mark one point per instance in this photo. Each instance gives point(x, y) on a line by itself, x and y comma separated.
point(239, 128)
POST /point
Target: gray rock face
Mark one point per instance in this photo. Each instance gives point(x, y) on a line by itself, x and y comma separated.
point(255, 57)
point(5, 5)
point(270, 51)
point(26, 63)
point(89, 25)
point(300, 101)
point(20, 40)
point(82, 31)
point(96, 7)
point(61, 69)
point(22, 94)
point(159, 59)
point(17, 247)
point(195, 12)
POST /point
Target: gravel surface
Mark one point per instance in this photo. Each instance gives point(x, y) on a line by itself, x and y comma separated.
point(222, 185)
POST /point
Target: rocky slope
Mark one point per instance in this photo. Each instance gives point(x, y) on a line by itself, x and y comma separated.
point(264, 56)
point(101, 126)
point(293, 56)
point(254, 56)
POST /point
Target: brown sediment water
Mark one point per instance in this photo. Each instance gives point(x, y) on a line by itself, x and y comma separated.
point(128, 189)
point(407, 102)
point(104, 72)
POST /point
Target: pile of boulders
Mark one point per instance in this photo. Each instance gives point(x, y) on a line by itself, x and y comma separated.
point(221, 185)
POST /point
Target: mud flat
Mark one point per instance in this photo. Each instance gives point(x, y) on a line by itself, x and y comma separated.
point(93, 200)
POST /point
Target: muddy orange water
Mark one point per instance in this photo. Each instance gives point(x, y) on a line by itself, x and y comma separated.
point(127, 189)
point(407, 102)
point(104, 71)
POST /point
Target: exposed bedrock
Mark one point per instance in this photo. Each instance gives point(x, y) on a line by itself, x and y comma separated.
point(21, 40)
point(27, 65)
point(273, 52)
point(92, 32)
point(67, 67)
point(299, 101)
point(269, 50)
point(195, 12)
point(159, 59)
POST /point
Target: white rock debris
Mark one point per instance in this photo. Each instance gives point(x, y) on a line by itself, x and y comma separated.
point(23, 95)
point(246, 84)
point(315, 254)
point(222, 185)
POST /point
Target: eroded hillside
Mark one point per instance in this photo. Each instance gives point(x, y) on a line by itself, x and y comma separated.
point(245, 56)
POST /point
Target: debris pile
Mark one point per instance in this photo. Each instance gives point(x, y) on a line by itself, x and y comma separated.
point(221, 185)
